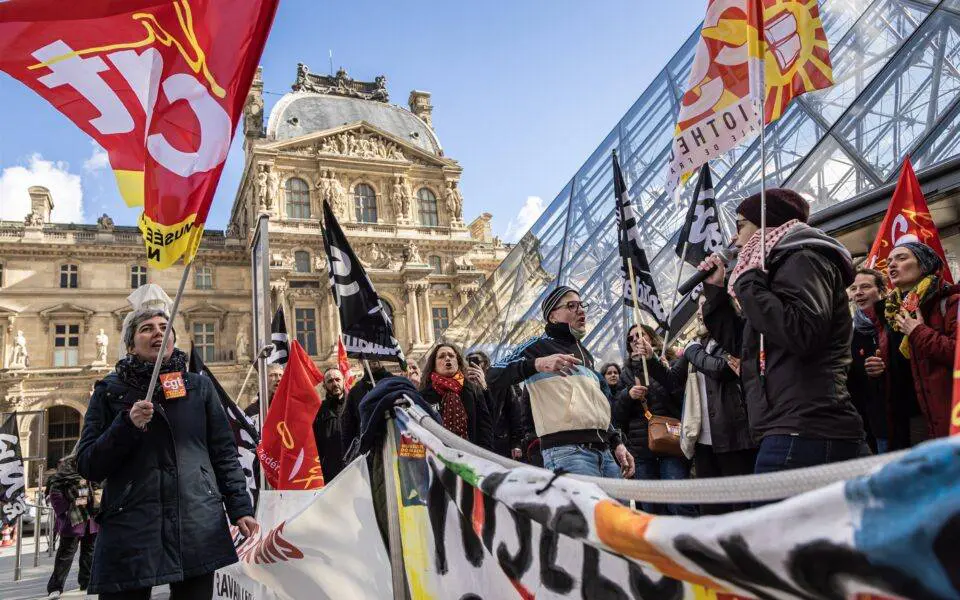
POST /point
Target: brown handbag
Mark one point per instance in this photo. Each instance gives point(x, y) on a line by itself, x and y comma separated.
point(663, 433)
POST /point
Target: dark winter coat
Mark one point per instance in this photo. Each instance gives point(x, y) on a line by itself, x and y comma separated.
point(326, 432)
point(800, 305)
point(162, 514)
point(664, 399)
point(350, 419)
point(868, 394)
point(932, 347)
point(727, 414)
point(479, 424)
point(505, 414)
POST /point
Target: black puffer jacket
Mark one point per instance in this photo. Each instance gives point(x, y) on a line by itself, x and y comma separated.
point(326, 432)
point(480, 427)
point(664, 399)
point(505, 414)
point(800, 305)
point(162, 515)
point(729, 427)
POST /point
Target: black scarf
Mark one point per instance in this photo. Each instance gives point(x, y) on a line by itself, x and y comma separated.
point(136, 372)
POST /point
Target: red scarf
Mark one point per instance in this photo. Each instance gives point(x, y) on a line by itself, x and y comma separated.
point(452, 412)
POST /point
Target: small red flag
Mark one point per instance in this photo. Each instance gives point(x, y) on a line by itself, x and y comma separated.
point(908, 218)
point(344, 365)
point(288, 451)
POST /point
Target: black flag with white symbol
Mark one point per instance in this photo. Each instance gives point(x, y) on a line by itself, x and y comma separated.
point(367, 329)
point(701, 230)
point(631, 251)
point(281, 342)
point(244, 431)
point(13, 501)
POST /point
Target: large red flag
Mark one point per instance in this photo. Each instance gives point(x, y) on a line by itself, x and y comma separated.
point(160, 84)
point(288, 450)
point(908, 218)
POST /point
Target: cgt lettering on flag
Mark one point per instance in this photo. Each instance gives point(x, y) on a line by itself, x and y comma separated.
point(159, 85)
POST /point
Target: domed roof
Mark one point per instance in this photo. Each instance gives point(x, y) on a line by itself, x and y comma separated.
point(301, 113)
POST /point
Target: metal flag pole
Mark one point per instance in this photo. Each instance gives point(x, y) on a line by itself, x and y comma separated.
point(397, 570)
point(676, 288)
point(763, 209)
point(636, 316)
point(166, 333)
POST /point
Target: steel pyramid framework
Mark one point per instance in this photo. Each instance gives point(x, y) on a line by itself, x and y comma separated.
point(897, 92)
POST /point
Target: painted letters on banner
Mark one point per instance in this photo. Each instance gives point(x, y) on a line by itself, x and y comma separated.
point(736, 58)
point(13, 502)
point(490, 529)
point(159, 84)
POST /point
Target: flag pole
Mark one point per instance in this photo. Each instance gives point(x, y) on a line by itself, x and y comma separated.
point(763, 210)
point(636, 317)
point(676, 288)
point(166, 333)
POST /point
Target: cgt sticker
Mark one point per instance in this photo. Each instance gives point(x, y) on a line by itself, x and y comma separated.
point(173, 386)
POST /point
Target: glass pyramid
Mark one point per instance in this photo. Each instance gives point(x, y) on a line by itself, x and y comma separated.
point(896, 67)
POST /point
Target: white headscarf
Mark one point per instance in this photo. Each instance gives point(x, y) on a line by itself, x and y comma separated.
point(150, 295)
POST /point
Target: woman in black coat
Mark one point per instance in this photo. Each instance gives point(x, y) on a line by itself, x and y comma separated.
point(169, 469)
point(462, 404)
point(664, 398)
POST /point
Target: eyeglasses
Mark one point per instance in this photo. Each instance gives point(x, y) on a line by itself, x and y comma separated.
point(573, 306)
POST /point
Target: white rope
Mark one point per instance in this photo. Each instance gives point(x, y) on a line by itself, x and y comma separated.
point(720, 490)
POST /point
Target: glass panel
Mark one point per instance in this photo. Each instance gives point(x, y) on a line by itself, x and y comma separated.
point(301, 260)
point(365, 203)
point(306, 323)
point(297, 193)
point(428, 208)
point(441, 320)
point(829, 177)
point(437, 264)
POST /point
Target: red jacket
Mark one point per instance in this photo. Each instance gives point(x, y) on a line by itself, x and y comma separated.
point(932, 346)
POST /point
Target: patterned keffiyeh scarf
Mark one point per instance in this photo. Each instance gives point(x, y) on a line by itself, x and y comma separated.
point(452, 412)
point(750, 256)
point(909, 302)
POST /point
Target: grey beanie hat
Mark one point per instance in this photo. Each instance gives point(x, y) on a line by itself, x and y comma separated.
point(927, 258)
point(550, 302)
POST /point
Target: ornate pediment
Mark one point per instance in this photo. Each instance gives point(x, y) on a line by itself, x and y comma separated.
point(207, 311)
point(66, 312)
point(357, 140)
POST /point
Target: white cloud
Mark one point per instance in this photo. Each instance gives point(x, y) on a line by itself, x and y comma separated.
point(528, 215)
point(98, 159)
point(64, 186)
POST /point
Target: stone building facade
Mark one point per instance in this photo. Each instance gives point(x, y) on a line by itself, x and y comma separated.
point(63, 288)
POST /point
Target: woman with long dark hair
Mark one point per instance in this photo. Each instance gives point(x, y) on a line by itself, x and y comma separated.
point(458, 392)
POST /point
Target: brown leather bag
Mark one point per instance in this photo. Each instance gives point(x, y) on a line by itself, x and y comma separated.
point(663, 433)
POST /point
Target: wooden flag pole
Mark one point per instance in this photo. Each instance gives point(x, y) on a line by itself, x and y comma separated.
point(166, 333)
point(636, 316)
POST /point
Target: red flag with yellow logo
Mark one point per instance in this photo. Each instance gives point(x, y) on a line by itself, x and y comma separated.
point(159, 84)
point(907, 219)
point(288, 450)
point(748, 50)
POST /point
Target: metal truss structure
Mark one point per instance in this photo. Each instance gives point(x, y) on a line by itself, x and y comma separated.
point(897, 93)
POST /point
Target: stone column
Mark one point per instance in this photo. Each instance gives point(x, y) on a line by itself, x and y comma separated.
point(413, 318)
point(428, 314)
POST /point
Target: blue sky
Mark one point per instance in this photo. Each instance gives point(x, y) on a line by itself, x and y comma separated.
point(522, 93)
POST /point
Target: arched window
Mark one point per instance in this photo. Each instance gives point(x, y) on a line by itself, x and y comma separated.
point(298, 198)
point(436, 263)
point(365, 202)
point(428, 208)
point(301, 261)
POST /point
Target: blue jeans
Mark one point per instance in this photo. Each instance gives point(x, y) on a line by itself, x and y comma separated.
point(653, 466)
point(882, 445)
point(783, 452)
point(581, 460)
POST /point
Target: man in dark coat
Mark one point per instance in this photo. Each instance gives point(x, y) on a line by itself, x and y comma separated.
point(169, 466)
point(868, 393)
point(504, 407)
point(797, 399)
point(326, 426)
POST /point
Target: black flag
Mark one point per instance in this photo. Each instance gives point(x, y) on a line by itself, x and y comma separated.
point(701, 231)
point(281, 342)
point(631, 250)
point(244, 432)
point(367, 330)
point(13, 501)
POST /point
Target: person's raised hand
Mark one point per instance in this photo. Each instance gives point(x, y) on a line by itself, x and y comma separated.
point(906, 323)
point(638, 392)
point(475, 374)
point(560, 364)
point(141, 413)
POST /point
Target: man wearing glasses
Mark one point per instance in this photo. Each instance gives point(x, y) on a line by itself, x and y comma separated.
point(571, 413)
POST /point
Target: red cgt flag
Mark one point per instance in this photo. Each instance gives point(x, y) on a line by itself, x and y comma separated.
point(343, 364)
point(288, 451)
point(907, 218)
point(159, 84)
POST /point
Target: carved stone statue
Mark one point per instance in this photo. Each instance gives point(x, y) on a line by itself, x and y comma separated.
point(243, 344)
point(33, 220)
point(105, 223)
point(232, 231)
point(319, 263)
point(302, 71)
point(401, 199)
point(273, 188)
point(19, 359)
point(412, 253)
point(102, 342)
point(338, 197)
point(373, 256)
point(454, 202)
point(262, 183)
point(380, 93)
